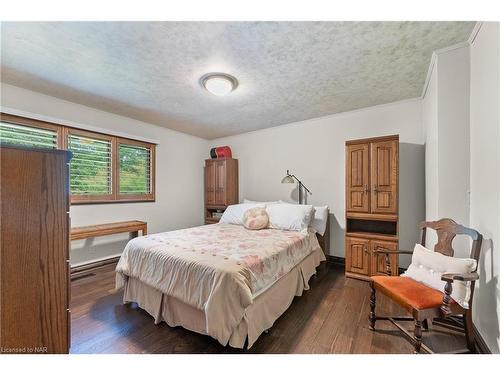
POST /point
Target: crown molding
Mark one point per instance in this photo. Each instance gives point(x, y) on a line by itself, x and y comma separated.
point(467, 43)
point(429, 74)
point(475, 31)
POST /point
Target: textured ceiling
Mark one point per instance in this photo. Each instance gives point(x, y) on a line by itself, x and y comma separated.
point(287, 71)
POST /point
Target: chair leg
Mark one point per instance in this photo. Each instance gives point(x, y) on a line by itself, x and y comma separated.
point(373, 301)
point(425, 324)
point(469, 336)
point(418, 335)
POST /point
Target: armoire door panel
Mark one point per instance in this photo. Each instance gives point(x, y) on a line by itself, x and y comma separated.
point(378, 261)
point(210, 183)
point(357, 199)
point(384, 174)
point(220, 183)
point(357, 181)
point(384, 200)
point(357, 255)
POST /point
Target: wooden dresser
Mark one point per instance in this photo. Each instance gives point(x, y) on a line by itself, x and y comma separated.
point(34, 251)
point(221, 186)
point(372, 178)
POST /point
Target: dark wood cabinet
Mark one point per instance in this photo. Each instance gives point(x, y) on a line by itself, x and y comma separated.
point(221, 186)
point(34, 251)
point(372, 173)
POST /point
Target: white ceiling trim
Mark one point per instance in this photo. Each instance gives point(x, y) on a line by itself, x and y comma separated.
point(77, 125)
point(474, 32)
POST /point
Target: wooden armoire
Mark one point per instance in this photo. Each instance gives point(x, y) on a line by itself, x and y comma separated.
point(221, 187)
point(372, 178)
point(34, 251)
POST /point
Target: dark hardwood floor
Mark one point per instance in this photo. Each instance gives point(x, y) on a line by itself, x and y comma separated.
point(332, 317)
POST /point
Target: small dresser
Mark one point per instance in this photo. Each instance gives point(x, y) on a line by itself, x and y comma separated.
point(34, 251)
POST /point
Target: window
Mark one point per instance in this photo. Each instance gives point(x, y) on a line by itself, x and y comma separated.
point(134, 169)
point(103, 168)
point(90, 167)
point(43, 136)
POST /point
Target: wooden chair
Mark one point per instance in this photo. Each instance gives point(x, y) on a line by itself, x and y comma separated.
point(422, 301)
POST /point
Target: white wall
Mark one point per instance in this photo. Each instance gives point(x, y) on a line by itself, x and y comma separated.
point(445, 114)
point(430, 125)
point(461, 119)
point(485, 176)
point(179, 174)
point(453, 137)
point(314, 150)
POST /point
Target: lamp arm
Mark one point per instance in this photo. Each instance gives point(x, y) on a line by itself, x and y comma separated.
point(301, 184)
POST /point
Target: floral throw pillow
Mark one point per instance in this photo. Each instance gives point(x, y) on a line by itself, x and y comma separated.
point(255, 218)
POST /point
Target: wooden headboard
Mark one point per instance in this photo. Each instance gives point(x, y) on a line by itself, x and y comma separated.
point(324, 240)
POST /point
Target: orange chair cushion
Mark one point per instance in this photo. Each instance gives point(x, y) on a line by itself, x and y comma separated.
point(408, 292)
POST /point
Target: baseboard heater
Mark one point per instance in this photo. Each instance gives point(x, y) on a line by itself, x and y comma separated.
point(85, 270)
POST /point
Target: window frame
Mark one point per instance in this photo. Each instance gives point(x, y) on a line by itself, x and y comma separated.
point(63, 133)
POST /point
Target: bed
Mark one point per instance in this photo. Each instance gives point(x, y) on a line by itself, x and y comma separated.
point(220, 280)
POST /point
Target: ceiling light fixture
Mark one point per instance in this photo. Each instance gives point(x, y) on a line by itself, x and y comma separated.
point(219, 84)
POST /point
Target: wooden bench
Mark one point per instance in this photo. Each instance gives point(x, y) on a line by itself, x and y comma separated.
point(133, 227)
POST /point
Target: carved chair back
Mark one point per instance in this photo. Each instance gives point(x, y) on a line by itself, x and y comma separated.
point(446, 230)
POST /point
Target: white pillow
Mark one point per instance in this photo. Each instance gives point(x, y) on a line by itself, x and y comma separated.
point(234, 213)
point(257, 202)
point(428, 266)
point(318, 223)
point(289, 216)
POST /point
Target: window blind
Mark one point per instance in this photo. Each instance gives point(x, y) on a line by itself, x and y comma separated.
point(20, 135)
point(90, 168)
point(135, 169)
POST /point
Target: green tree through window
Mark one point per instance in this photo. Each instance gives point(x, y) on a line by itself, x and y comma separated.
point(90, 167)
point(134, 170)
point(12, 134)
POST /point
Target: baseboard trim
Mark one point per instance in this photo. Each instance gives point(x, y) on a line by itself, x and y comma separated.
point(77, 271)
point(336, 260)
point(481, 346)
